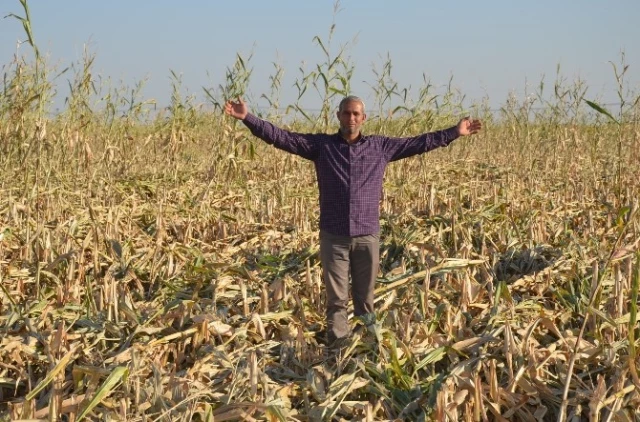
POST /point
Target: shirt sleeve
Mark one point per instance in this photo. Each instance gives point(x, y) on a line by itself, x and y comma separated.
point(398, 148)
point(295, 143)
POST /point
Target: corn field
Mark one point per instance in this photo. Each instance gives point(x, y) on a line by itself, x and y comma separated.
point(161, 264)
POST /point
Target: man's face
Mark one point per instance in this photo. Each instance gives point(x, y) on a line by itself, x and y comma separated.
point(351, 118)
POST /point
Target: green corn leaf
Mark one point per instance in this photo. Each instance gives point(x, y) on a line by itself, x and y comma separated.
point(434, 356)
point(319, 41)
point(116, 247)
point(303, 113)
point(275, 413)
point(324, 78)
point(436, 318)
point(241, 61)
point(109, 384)
point(60, 366)
point(601, 110)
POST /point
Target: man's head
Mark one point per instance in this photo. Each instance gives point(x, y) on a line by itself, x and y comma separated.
point(351, 114)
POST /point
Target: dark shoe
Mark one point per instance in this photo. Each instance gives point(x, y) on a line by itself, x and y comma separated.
point(339, 344)
point(359, 330)
point(321, 337)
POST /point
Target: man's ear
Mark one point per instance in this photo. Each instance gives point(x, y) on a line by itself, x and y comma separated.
point(364, 117)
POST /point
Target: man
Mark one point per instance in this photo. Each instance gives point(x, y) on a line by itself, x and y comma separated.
point(349, 167)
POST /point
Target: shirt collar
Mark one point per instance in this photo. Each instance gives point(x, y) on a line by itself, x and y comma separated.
point(361, 138)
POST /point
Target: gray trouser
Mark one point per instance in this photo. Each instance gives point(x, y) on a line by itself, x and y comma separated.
point(340, 255)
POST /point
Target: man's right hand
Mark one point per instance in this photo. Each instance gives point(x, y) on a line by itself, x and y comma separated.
point(237, 110)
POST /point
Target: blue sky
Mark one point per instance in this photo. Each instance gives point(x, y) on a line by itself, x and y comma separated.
point(490, 48)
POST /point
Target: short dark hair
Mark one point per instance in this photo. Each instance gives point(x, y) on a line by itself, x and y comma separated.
point(350, 99)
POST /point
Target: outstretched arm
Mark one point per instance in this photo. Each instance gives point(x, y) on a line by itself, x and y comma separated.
point(398, 148)
point(294, 143)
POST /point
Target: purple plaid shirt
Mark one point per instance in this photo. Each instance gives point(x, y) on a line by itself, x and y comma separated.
point(349, 175)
